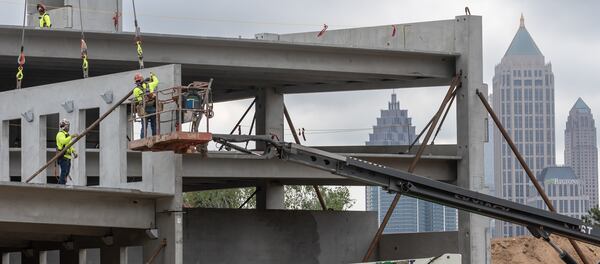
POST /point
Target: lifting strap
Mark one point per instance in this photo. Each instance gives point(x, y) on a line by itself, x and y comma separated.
point(21, 59)
point(138, 38)
point(85, 66)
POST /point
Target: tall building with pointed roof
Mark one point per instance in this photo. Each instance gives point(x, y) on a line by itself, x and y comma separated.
point(523, 98)
point(581, 150)
point(394, 127)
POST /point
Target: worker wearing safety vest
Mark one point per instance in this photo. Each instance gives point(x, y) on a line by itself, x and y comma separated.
point(62, 140)
point(44, 17)
point(146, 101)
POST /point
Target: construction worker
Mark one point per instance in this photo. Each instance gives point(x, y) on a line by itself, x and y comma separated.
point(63, 138)
point(146, 101)
point(44, 17)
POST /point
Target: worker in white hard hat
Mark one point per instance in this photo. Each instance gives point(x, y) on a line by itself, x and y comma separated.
point(63, 138)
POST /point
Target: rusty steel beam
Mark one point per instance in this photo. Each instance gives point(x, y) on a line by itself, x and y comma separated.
point(297, 139)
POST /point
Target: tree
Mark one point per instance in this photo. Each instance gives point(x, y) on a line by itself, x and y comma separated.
point(302, 197)
point(224, 198)
point(297, 197)
point(593, 217)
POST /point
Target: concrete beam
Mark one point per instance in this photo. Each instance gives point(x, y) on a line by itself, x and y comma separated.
point(93, 207)
point(259, 63)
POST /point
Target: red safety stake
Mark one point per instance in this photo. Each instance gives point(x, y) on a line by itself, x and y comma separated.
point(322, 30)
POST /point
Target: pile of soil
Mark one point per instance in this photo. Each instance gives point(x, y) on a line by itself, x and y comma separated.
point(530, 250)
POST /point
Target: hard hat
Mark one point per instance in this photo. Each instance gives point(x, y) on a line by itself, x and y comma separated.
point(42, 6)
point(138, 77)
point(63, 123)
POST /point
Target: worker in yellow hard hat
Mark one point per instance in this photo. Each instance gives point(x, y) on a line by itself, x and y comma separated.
point(146, 100)
point(63, 138)
point(44, 17)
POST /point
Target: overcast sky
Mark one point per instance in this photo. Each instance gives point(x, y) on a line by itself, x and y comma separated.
point(567, 33)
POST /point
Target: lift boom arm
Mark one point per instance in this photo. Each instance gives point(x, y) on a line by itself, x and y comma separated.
point(538, 221)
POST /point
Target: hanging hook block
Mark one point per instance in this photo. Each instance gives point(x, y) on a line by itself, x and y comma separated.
point(108, 97)
point(28, 116)
point(68, 106)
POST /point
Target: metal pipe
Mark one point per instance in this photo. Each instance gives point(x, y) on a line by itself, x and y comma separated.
point(297, 139)
point(443, 118)
point(413, 165)
point(162, 245)
point(241, 119)
point(85, 132)
point(249, 198)
point(419, 136)
point(521, 160)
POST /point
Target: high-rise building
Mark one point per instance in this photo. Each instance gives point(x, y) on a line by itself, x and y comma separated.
point(523, 98)
point(581, 151)
point(411, 215)
point(565, 191)
point(394, 127)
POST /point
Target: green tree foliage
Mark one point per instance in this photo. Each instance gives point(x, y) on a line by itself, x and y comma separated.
point(593, 217)
point(301, 197)
point(225, 198)
point(296, 197)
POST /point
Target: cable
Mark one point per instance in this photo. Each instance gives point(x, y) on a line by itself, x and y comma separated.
point(84, 52)
point(138, 38)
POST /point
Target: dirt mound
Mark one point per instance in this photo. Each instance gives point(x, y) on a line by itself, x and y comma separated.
point(530, 250)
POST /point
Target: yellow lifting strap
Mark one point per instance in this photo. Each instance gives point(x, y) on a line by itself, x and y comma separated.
point(21, 62)
point(140, 53)
point(84, 57)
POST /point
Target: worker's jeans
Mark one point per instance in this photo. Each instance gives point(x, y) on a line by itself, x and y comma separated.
point(65, 168)
point(151, 120)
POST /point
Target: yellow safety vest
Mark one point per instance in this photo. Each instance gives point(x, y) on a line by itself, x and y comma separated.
point(45, 20)
point(62, 139)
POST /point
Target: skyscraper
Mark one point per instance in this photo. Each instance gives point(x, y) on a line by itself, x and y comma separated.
point(581, 151)
point(565, 191)
point(523, 94)
point(411, 215)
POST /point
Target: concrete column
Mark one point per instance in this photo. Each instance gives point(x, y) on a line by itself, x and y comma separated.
point(77, 119)
point(165, 170)
point(4, 151)
point(470, 133)
point(49, 257)
point(11, 258)
point(269, 121)
point(270, 195)
point(113, 147)
point(33, 148)
point(89, 256)
point(269, 113)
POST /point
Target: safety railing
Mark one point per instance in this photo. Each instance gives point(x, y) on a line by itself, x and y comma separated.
point(175, 107)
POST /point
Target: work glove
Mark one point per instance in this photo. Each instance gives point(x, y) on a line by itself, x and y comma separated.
point(74, 135)
point(75, 155)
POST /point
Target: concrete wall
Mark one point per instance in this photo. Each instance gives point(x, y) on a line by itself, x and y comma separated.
point(411, 245)
point(276, 236)
point(435, 36)
point(85, 94)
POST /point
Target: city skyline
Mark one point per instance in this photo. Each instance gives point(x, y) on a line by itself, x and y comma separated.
point(394, 127)
point(523, 99)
